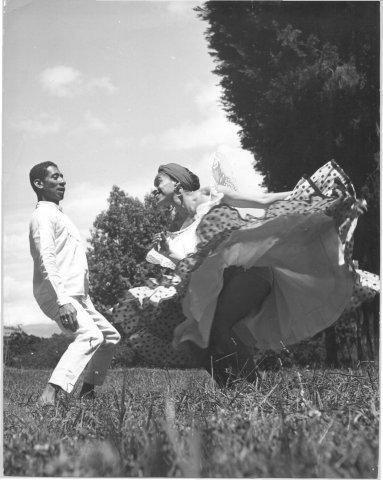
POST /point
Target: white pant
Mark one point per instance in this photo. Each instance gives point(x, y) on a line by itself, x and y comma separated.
point(93, 346)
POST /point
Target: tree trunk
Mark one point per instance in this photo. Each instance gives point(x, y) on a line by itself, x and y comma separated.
point(376, 320)
point(331, 347)
point(359, 333)
point(368, 314)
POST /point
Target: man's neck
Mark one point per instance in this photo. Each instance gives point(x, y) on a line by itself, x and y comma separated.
point(42, 199)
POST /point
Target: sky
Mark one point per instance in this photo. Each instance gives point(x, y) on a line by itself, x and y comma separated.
point(108, 90)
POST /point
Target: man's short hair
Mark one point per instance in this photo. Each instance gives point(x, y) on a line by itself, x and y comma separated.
point(39, 172)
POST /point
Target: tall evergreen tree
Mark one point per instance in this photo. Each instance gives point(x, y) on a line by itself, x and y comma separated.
point(301, 79)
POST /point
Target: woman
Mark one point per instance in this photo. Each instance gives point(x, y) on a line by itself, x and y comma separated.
point(245, 283)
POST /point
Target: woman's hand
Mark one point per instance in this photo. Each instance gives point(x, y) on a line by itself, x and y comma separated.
point(160, 242)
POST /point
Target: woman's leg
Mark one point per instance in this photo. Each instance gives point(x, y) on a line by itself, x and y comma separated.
point(243, 291)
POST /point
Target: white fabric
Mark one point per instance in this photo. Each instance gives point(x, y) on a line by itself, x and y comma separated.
point(185, 241)
point(181, 243)
point(311, 284)
point(154, 295)
point(234, 168)
point(93, 344)
point(158, 259)
point(60, 265)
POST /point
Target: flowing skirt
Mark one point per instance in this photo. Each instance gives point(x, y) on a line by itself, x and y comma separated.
point(305, 241)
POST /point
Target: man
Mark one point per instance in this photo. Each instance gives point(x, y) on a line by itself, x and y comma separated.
point(60, 286)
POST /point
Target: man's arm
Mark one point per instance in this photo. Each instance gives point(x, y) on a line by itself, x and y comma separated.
point(43, 237)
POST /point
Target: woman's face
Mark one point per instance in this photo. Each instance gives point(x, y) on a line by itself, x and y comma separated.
point(164, 188)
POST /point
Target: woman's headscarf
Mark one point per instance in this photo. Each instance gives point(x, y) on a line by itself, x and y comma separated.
point(187, 179)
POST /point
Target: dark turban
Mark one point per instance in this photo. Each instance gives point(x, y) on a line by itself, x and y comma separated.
point(187, 179)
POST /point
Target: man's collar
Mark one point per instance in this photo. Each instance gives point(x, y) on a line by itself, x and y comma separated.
point(44, 203)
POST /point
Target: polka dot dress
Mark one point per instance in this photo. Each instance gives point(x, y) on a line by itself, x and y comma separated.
point(149, 327)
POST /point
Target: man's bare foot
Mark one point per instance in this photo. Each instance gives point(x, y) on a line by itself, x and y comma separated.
point(48, 397)
point(87, 391)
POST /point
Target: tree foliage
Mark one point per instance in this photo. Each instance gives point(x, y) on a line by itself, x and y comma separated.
point(29, 351)
point(120, 239)
point(301, 79)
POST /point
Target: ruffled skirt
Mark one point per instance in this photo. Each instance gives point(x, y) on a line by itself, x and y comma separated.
point(306, 243)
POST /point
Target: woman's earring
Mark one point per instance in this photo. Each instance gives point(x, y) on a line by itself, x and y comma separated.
point(177, 188)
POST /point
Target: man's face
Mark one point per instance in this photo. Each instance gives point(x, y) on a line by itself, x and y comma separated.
point(52, 187)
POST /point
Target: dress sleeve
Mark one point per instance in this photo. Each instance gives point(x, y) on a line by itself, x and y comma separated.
point(158, 259)
point(42, 234)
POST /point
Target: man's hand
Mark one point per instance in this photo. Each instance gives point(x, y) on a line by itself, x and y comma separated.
point(68, 317)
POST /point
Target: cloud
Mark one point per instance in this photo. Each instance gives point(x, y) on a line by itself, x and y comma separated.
point(90, 123)
point(94, 123)
point(15, 242)
point(17, 259)
point(122, 143)
point(96, 130)
point(16, 221)
point(238, 165)
point(39, 127)
point(15, 290)
point(234, 162)
point(208, 133)
point(23, 313)
point(83, 203)
point(63, 81)
point(102, 83)
point(17, 280)
point(208, 99)
point(181, 8)
point(212, 130)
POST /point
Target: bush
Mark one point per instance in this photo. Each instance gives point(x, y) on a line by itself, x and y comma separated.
point(29, 351)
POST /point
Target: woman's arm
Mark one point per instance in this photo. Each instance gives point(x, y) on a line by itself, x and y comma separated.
point(250, 200)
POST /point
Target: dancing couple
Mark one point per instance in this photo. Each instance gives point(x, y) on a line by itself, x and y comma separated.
point(233, 283)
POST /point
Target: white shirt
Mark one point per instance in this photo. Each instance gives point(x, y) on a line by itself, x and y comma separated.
point(60, 265)
point(185, 241)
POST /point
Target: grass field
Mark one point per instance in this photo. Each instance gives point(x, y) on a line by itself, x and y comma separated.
point(149, 422)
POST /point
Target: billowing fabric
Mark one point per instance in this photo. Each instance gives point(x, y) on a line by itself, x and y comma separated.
point(305, 240)
point(148, 327)
point(181, 174)
point(149, 315)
